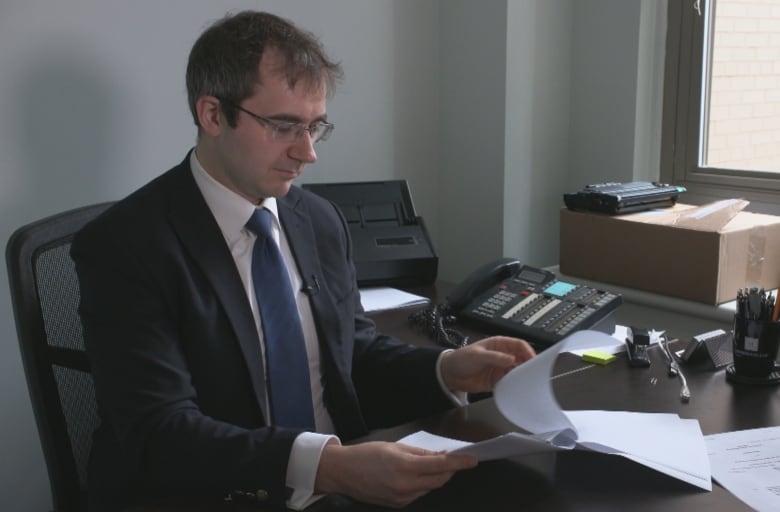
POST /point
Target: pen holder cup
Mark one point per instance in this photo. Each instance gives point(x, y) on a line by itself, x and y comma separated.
point(755, 347)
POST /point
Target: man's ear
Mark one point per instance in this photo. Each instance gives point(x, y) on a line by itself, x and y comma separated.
point(210, 117)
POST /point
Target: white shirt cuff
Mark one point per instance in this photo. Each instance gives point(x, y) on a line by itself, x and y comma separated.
point(302, 468)
point(458, 398)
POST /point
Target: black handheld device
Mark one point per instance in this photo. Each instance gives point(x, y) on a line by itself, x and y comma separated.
point(637, 343)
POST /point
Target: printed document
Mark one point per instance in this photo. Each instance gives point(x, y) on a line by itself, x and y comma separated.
point(525, 397)
point(747, 464)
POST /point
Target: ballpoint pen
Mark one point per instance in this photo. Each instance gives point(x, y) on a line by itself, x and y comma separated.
point(754, 303)
point(740, 303)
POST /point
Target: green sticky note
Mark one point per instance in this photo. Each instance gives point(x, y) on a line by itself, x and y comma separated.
point(598, 357)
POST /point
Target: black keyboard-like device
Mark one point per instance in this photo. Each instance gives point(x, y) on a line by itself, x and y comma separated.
point(617, 198)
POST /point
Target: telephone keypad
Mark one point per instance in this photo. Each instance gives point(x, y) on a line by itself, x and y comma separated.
point(545, 311)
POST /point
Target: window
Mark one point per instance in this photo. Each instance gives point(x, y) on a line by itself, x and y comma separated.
point(721, 120)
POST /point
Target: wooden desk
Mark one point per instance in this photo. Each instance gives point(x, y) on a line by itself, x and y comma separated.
point(575, 481)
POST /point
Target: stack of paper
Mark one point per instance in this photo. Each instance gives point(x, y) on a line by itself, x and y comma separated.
point(525, 397)
point(382, 298)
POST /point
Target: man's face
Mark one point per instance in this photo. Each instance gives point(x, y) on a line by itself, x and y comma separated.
point(247, 159)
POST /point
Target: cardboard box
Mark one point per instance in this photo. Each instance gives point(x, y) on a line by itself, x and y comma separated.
point(704, 253)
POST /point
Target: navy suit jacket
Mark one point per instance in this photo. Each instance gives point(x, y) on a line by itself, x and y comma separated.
point(176, 357)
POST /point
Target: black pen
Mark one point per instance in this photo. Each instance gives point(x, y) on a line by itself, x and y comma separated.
point(739, 302)
point(754, 303)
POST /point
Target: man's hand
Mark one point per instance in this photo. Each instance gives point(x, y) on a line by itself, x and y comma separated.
point(477, 367)
point(387, 474)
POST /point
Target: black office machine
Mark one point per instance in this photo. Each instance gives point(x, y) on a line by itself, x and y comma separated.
point(390, 241)
point(618, 198)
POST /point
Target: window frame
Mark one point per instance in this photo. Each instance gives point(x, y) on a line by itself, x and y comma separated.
point(682, 109)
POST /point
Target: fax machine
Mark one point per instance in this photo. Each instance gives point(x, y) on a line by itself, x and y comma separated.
point(391, 245)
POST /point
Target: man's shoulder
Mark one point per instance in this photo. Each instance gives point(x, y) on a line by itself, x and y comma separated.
point(147, 202)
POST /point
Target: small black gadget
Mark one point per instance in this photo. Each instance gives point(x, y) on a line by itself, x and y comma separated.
point(637, 343)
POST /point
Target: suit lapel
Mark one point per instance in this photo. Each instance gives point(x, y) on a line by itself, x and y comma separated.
point(200, 235)
point(297, 225)
point(340, 396)
point(300, 236)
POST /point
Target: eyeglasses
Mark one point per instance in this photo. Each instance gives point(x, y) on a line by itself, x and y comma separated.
point(286, 131)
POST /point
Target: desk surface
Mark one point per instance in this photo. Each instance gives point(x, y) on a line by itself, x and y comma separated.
point(588, 481)
point(579, 481)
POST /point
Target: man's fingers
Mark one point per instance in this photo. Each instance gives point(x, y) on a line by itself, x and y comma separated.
point(426, 462)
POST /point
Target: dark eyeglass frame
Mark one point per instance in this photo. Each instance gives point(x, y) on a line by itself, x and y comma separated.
point(285, 130)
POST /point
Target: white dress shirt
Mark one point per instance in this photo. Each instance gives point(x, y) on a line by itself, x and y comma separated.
point(232, 213)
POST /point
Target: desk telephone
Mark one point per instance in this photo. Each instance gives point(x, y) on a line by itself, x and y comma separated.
point(507, 297)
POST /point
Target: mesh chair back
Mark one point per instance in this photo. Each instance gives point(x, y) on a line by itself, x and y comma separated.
point(45, 297)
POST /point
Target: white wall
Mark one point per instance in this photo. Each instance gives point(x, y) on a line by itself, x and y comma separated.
point(539, 98)
point(471, 135)
point(488, 108)
point(539, 61)
point(604, 90)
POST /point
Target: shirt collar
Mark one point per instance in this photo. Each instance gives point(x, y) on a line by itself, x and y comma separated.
point(229, 209)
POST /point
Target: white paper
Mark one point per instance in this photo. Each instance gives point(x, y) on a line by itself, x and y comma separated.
point(747, 463)
point(381, 299)
point(507, 445)
point(668, 444)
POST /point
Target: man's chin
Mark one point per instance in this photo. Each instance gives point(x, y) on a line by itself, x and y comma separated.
point(281, 189)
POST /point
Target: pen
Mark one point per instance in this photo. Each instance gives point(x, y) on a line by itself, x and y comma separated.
point(742, 298)
point(754, 303)
point(776, 309)
point(764, 311)
point(739, 302)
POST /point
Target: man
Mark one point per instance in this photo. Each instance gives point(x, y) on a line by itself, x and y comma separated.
point(174, 316)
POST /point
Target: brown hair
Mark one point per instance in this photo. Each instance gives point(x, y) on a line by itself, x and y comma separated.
point(224, 60)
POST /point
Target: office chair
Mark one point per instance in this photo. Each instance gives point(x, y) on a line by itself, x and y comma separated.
point(45, 297)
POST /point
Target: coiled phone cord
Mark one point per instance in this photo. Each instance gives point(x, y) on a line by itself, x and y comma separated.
point(433, 320)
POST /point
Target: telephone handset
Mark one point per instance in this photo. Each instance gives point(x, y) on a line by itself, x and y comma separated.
point(507, 297)
point(480, 280)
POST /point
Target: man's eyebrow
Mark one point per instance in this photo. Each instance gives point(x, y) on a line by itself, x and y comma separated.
point(290, 118)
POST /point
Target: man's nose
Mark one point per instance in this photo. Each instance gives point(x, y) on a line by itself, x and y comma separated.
point(303, 149)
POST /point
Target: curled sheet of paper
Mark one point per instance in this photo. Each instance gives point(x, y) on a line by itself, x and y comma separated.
point(525, 401)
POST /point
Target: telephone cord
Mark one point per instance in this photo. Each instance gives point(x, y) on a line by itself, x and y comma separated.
point(433, 319)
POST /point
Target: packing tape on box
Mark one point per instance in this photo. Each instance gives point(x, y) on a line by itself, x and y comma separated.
point(756, 252)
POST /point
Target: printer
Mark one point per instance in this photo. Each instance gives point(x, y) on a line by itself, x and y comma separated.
point(391, 245)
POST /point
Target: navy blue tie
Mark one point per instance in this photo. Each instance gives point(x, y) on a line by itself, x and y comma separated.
point(287, 365)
